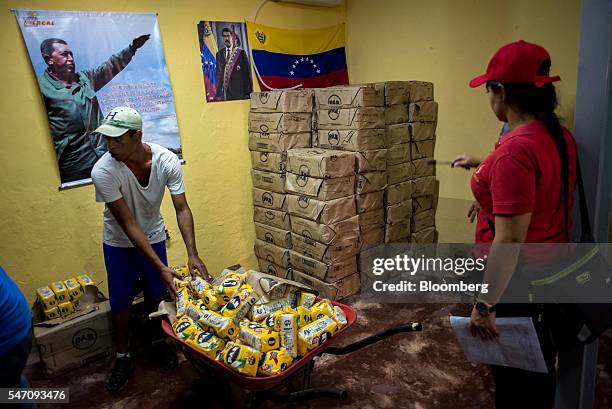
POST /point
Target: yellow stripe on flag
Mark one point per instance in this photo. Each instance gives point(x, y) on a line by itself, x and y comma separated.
point(209, 40)
point(300, 42)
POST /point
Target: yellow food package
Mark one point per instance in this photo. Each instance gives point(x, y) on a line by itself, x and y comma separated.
point(46, 297)
point(278, 291)
point(61, 292)
point(259, 337)
point(292, 295)
point(237, 276)
point(183, 271)
point(315, 334)
point(307, 300)
point(339, 317)
point(185, 327)
point(229, 286)
point(274, 362)
point(304, 316)
point(178, 284)
point(260, 312)
point(241, 358)
point(65, 308)
point(200, 286)
point(207, 342)
point(74, 289)
point(194, 309)
point(323, 308)
point(52, 313)
point(224, 327)
point(272, 321)
point(85, 280)
point(212, 300)
point(182, 300)
point(240, 303)
point(288, 333)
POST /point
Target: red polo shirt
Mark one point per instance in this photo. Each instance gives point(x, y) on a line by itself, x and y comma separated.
point(523, 175)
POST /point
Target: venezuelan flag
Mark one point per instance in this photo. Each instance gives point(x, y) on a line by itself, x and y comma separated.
point(209, 62)
point(298, 58)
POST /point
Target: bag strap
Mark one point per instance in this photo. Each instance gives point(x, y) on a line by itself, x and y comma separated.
point(585, 222)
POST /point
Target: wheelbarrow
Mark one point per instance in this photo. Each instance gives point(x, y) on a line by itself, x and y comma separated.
point(272, 388)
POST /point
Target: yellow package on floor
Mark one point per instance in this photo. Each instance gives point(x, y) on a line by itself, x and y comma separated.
point(229, 286)
point(84, 280)
point(288, 333)
point(61, 292)
point(240, 303)
point(260, 312)
point(181, 301)
point(183, 271)
point(66, 308)
point(241, 358)
point(212, 300)
point(315, 334)
point(224, 327)
point(207, 342)
point(259, 337)
point(323, 308)
point(74, 289)
point(200, 286)
point(274, 362)
point(52, 313)
point(339, 317)
point(46, 297)
point(304, 316)
point(307, 300)
point(185, 327)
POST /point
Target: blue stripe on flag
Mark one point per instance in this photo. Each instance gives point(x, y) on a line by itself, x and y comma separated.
point(209, 64)
point(299, 66)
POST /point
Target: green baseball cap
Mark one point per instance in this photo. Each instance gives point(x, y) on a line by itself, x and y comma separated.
point(120, 120)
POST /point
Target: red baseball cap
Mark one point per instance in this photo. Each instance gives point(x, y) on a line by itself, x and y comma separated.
point(516, 62)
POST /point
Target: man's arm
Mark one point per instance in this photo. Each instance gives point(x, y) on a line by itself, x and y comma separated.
point(246, 75)
point(184, 217)
point(219, 74)
point(126, 220)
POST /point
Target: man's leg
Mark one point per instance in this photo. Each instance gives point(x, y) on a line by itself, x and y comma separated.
point(13, 362)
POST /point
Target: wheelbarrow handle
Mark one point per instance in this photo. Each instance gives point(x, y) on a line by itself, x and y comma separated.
point(347, 349)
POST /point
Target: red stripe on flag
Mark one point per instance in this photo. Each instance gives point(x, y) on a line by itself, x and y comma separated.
point(320, 81)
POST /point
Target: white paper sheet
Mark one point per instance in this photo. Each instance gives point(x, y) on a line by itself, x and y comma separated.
point(517, 345)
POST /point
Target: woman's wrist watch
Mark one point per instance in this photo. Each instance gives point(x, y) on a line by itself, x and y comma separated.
point(484, 308)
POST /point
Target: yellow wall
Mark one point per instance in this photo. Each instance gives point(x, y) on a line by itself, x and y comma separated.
point(449, 42)
point(49, 235)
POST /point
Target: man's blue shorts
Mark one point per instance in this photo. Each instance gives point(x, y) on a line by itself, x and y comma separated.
point(129, 273)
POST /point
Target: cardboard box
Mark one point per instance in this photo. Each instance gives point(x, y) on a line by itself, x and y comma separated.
point(274, 218)
point(327, 212)
point(278, 142)
point(273, 235)
point(399, 192)
point(422, 149)
point(327, 254)
point(369, 201)
point(399, 232)
point(370, 182)
point(399, 212)
point(421, 131)
point(268, 267)
point(76, 341)
point(424, 167)
point(320, 163)
point(371, 161)
point(324, 272)
point(326, 233)
point(320, 189)
point(269, 161)
point(268, 199)
point(420, 91)
point(427, 235)
point(422, 203)
point(372, 237)
point(351, 140)
point(398, 154)
point(272, 253)
point(426, 111)
point(397, 92)
point(348, 96)
point(396, 114)
point(423, 186)
point(399, 173)
point(343, 288)
point(299, 100)
point(423, 220)
point(371, 219)
point(351, 118)
point(397, 134)
point(280, 122)
point(274, 182)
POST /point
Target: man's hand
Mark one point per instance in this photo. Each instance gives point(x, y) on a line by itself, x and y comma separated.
point(483, 326)
point(139, 41)
point(167, 274)
point(474, 210)
point(195, 263)
point(465, 161)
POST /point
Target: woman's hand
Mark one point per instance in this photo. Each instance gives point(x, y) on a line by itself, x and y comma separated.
point(483, 325)
point(465, 161)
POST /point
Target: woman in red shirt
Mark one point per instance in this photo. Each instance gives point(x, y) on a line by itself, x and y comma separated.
point(524, 189)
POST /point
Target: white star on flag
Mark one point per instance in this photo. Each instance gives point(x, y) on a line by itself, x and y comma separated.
point(293, 66)
point(302, 58)
point(297, 62)
point(291, 72)
point(314, 65)
point(318, 71)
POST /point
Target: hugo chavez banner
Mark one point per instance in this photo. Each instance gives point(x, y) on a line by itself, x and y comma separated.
point(86, 64)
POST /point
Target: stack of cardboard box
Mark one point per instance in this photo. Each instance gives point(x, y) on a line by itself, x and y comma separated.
point(278, 121)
